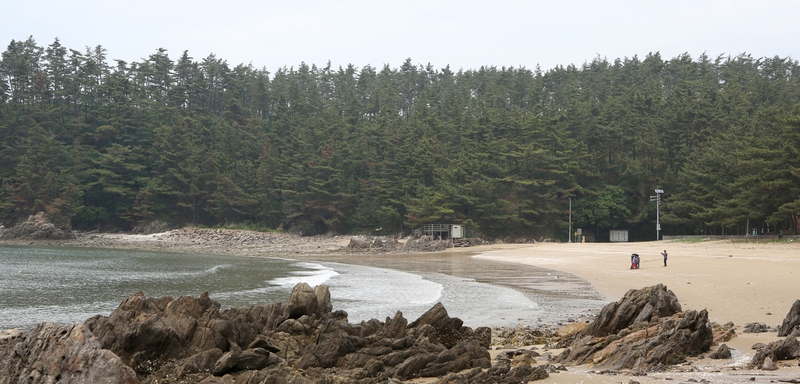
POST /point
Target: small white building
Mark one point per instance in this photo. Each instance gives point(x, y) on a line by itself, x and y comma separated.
point(618, 235)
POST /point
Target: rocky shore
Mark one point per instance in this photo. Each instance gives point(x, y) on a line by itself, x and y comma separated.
point(190, 340)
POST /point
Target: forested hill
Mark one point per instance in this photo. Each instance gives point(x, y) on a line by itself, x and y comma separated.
point(105, 144)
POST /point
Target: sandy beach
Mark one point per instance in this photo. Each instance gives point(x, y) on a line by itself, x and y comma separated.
point(739, 282)
point(736, 281)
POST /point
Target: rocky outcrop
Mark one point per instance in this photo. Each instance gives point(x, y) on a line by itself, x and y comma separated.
point(785, 349)
point(636, 306)
point(643, 331)
point(379, 244)
point(425, 244)
point(498, 374)
point(37, 227)
point(150, 227)
point(50, 353)
point(722, 352)
point(189, 339)
point(791, 323)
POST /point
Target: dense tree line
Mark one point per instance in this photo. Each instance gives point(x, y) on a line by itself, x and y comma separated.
point(100, 145)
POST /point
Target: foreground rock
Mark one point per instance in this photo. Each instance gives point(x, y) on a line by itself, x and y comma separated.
point(50, 353)
point(189, 339)
point(36, 227)
point(644, 331)
point(791, 323)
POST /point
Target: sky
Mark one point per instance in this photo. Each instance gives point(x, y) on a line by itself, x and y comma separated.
point(465, 34)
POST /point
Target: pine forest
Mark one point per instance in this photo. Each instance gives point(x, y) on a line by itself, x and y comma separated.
point(510, 153)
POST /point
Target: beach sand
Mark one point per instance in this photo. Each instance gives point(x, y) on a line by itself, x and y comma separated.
point(739, 282)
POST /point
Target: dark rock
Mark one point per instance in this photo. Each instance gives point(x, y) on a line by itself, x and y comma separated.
point(395, 327)
point(755, 328)
point(447, 330)
point(496, 375)
point(50, 353)
point(413, 366)
point(791, 323)
point(261, 341)
point(723, 352)
point(227, 362)
point(649, 341)
point(305, 301)
point(785, 349)
point(38, 226)
point(189, 339)
point(640, 305)
point(253, 359)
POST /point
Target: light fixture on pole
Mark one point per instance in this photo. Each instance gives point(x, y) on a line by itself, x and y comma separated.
point(570, 219)
point(657, 199)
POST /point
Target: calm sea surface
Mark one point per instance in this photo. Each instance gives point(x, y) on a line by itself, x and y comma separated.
point(70, 285)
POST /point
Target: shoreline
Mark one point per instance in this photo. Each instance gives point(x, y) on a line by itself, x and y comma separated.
point(741, 282)
point(561, 297)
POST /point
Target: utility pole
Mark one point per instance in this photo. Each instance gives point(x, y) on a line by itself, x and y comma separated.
point(657, 199)
point(570, 219)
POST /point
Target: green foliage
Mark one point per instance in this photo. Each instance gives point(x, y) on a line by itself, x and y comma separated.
point(316, 150)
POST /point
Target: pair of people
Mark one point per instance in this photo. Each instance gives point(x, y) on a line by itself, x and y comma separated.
point(635, 259)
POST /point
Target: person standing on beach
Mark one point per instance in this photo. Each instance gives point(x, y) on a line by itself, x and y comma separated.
point(665, 257)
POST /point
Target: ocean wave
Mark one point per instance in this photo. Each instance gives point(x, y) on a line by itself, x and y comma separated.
point(312, 274)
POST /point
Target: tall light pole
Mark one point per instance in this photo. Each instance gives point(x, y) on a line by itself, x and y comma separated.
point(657, 199)
point(570, 219)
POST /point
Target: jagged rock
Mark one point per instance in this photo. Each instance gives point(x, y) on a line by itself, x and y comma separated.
point(262, 341)
point(50, 353)
point(791, 323)
point(38, 226)
point(723, 333)
point(395, 327)
point(145, 332)
point(640, 305)
point(785, 349)
point(755, 328)
point(166, 340)
point(723, 352)
point(253, 359)
point(449, 331)
point(228, 361)
point(648, 341)
point(306, 301)
point(500, 373)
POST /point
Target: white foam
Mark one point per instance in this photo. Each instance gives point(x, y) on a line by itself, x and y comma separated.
point(317, 275)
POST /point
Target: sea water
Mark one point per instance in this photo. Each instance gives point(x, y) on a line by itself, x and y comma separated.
point(70, 285)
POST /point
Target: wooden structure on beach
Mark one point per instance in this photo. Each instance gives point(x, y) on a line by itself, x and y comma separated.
point(441, 231)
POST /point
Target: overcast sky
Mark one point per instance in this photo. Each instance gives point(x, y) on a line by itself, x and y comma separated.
point(464, 34)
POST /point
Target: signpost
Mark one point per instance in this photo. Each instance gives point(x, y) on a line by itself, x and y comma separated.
point(570, 219)
point(657, 199)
